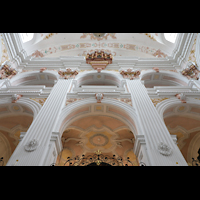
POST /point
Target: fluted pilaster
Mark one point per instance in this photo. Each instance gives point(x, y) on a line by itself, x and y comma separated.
point(154, 129)
point(41, 128)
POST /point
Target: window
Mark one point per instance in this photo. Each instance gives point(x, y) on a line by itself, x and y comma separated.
point(26, 37)
point(171, 37)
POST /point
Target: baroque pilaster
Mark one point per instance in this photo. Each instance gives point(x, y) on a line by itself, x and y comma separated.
point(35, 145)
point(161, 149)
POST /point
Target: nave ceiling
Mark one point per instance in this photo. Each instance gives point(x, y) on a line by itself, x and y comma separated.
point(119, 44)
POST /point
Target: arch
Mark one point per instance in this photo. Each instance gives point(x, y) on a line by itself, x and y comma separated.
point(166, 104)
point(5, 150)
point(32, 105)
point(183, 121)
point(163, 78)
point(86, 126)
point(103, 78)
point(14, 119)
point(114, 108)
point(46, 78)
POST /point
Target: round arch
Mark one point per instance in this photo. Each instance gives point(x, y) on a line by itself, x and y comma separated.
point(15, 119)
point(32, 105)
point(102, 78)
point(163, 78)
point(89, 106)
point(183, 121)
point(35, 78)
point(166, 104)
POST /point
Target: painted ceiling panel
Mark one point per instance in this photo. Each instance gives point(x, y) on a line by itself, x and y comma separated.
point(119, 44)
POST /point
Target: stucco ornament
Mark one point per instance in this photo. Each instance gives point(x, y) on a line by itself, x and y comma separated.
point(99, 97)
point(32, 145)
point(164, 149)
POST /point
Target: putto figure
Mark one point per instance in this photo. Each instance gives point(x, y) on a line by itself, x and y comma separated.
point(42, 69)
point(181, 97)
point(16, 97)
point(156, 69)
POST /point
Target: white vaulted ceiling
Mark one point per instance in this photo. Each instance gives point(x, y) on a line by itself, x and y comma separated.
point(144, 45)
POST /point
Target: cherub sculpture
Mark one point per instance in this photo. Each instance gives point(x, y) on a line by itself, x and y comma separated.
point(16, 97)
point(181, 97)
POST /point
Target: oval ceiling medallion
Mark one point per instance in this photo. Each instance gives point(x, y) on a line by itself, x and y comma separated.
point(99, 34)
point(99, 140)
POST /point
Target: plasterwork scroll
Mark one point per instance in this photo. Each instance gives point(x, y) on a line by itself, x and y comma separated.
point(157, 100)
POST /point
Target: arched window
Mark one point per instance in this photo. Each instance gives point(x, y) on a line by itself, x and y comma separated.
point(171, 37)
point(26, 37)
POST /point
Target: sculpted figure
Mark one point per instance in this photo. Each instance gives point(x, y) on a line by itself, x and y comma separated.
point(16, 97)
point(156, 69)
point(42, 69)
point(181, 97)
point(99, 97)
point(99, 70)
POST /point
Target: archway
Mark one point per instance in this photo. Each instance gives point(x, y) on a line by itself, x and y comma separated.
point(88, 135)
point(14, 119)
point(94, 127)
point(162, 78)
point(46, 78)
point(103, 78)
point(183, 121)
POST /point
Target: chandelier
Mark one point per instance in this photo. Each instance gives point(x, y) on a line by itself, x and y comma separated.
point(98, 159)
point(1, 161)
point(197, 161)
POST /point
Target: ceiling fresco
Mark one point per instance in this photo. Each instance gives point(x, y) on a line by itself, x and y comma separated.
point(90, 134)
point(119, 44)
point(3, 52)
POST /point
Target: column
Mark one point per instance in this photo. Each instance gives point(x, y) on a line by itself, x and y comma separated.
point(40, 131)
point(154, 129)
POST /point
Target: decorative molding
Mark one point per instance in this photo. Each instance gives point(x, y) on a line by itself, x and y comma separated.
point(48, 36)
point(69, 73)
point(178, 58)
point(42, 69)
point(99, 97)
point(182, 97)
point(156, 69)
point(130, 73)
point(4, 55)
point(31, 145)
point(7, 71)
point(16, 97)
point(164, 149)
point(155, 101)
point(41, 101)
point(125, 100)
point(94, 37)
point(99, 59)
point(71, 100)
point(192, 56)
point(191, 71)
point(37, 54)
